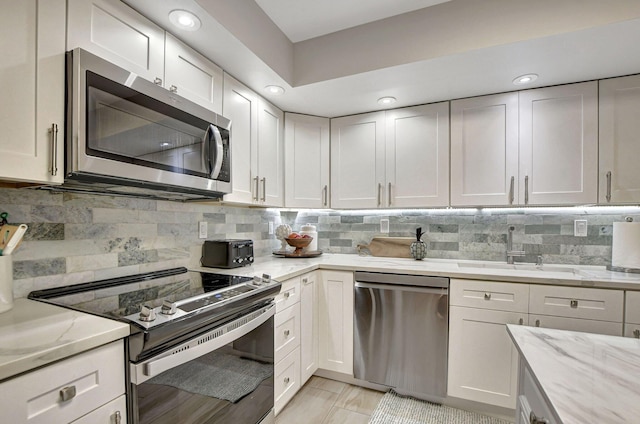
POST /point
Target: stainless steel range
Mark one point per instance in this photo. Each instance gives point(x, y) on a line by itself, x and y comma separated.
point(201, 348)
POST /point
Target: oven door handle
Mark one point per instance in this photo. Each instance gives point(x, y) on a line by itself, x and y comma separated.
point(198, 346)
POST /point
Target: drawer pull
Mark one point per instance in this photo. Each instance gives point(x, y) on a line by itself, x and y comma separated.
point(286, 333)
point(636, 333)
point(537, 323)
point(67, 393)
point(305, 280)
point(521, 321)
point(487, 296)
point(574, 303)
point(117, 418)
point(157, 81)
point(533, 419)
point(286, 380)
point(286, 295)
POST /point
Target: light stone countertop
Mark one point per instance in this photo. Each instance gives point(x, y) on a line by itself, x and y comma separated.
point(585, 378)
point(567, 275)
point(35, 333)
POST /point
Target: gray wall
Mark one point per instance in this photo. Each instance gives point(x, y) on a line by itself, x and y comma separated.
point(74, 238)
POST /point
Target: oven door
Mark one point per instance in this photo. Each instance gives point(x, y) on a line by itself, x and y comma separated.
point(222, 376)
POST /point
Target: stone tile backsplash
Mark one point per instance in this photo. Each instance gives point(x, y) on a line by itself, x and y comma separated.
point(75, 238)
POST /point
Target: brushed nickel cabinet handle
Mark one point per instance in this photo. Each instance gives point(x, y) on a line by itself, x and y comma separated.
point(286, 380)
point(173, 89)
point(511, 190)
point(526, 190)
point(67, 393)
point(573, 303)
point(379, 195)
point(305, 280)
point(389, 194)
point(157, 81)
point(325, 195)
point(286, 333)
point(533, 419)
point(264, 189)
point(521, 321)
point(608, 197)
point(257, 188)
point(286, 295)
point(636, 333)
point(487, 296)
point(54, 149)
point(117, 418)
point(537, 323)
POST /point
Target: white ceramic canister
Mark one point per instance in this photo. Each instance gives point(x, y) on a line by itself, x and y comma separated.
point(311, 231)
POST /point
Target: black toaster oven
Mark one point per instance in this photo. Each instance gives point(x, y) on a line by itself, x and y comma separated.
point(227, 253)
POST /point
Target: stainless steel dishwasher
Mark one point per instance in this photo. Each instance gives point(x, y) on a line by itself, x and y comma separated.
point(400, 332)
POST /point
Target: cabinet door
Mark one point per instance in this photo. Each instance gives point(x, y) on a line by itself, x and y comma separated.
point(335, 321)
point(618, 142)
point(306, 160)
point(270, 154)
point(559, 145)
point(484, 150)
point(240, 105)
point(308, 326)
point(32, 85)
point(417, 156)
point(483, 362)
point(192, 75)
point(114, 31)
point(357, 161)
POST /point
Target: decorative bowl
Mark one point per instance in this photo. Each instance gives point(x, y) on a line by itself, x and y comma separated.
point(298, 243)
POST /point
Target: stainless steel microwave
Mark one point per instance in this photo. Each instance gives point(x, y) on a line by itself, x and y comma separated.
point(126, 135)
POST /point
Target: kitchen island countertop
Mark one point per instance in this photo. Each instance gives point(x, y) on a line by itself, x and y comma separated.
point(584, 378)
point(35, 333)
point(566, 275)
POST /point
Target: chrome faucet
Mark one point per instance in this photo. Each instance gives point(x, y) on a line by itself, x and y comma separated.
point(510, 252)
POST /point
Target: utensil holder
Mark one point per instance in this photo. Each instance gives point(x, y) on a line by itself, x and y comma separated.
point(6, 283)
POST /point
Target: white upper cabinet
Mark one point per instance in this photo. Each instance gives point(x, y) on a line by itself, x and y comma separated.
point(535, 147)
point(270, 154)
point(417, 156)
point(484, 150)
point(306, 142)
point(619, 140)
point(192, 76)
point(112, 30)
point(559, 145)
point(32, 85)
point(357, 161)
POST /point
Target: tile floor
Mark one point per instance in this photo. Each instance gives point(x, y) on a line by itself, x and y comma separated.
point(323, 401)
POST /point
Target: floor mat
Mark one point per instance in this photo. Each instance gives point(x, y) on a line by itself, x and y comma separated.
point(396, 409)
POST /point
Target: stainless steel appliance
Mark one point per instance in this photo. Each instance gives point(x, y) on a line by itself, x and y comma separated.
point(126, 135)
point(227, 253)
point(201, 348)
point(401, 332)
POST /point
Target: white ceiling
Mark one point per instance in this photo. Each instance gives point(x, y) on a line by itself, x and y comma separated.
point(454, 49)
point(304, 19)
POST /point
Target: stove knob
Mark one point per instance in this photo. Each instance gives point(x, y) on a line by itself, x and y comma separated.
point(147, 313)
point(168, 308)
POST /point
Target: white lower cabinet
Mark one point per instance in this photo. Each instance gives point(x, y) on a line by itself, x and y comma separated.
point(335, 321)
point(81, 388)
point(483, 362)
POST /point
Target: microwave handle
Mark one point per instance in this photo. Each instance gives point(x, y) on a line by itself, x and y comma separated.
point(206, 148)
point(217, 152)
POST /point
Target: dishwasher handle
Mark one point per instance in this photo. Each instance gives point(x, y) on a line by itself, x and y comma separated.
point(400, 287)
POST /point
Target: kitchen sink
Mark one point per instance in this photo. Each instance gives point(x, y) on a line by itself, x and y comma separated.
point(520, 267)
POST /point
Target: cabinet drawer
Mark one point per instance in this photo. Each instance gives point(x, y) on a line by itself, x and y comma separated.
point(576, 302)
point(289, 294)
point(510, 297)
point(287, 331)
point(576, 324)
point(36, 397)
point(632, 307)
point(287, 379)
point(106, 414)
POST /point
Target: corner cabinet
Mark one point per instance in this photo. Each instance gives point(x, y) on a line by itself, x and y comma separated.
point(397, 158)
point(534, 147)
point(257, 149)
point(619, 145)
point(335, 321)
point(32, 85)
point(306, 160)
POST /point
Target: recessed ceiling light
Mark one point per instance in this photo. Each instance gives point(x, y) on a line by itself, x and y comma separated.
point(184, 20)
point(525, 79)
point(274, 89)
point(386, 101)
